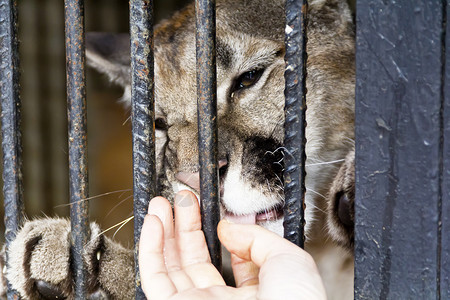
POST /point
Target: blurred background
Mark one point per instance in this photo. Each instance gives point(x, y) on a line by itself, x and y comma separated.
point(44, 127)
point(44, 114)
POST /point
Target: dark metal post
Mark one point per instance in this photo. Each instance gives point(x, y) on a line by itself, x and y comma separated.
point(445, 168)
point(11, 135)
point(401, 196)
point(295, 121)
point(77, 122)
point(143, 115)
point(205, 15)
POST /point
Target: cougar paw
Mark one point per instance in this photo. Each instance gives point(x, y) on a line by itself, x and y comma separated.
point(39, 260)
point(341, 197)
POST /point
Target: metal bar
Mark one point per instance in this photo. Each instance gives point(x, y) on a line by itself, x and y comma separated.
point(143, 116)
point(11, 123)
point(445, 167)
point(205, 16)
point(399, 137)
point(295, 121)
point(77, 123)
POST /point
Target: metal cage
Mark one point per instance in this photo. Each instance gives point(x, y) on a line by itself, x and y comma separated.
point(141, 30)
point(402, 206)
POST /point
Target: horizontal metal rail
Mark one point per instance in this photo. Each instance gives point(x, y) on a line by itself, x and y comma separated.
point(295, 121)
point(77, 123)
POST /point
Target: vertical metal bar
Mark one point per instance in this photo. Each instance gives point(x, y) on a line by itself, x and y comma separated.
point(205, 15)
point(445, 167)
point(399, 138)
point(295, 121)
point(77, 123)
point(11, 134)
point(143, 115)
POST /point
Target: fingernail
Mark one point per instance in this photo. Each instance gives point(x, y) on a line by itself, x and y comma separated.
point(160, 216)
point(228, 221)
point(184, 199)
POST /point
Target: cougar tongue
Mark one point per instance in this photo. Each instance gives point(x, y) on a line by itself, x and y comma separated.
point(190, 179)
point(242, 219)
point(193, 179)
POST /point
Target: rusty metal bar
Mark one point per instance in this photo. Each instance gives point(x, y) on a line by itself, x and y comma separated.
point(143, 116)
point(77, 123)
point(10, 118)
point(295, 121)
point(205, 16)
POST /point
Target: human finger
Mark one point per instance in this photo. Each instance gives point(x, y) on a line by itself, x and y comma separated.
point(194, 254)
point(188, 228)
point(245, 271)
point(252, 242)
point(285, 269)
point(155, 280)
point(161, 207)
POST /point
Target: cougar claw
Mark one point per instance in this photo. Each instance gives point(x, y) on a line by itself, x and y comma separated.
point(98, 295)
point(48, 291)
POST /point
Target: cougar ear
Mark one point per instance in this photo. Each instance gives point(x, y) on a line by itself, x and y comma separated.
point(109, 53)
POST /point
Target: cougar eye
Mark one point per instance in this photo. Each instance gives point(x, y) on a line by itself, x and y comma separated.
point(160, 124)
point(246, 80)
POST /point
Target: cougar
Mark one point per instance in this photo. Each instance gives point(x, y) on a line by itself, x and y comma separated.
point(250, 105)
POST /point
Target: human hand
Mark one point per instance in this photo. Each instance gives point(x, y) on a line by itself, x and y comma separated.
point(174, 260)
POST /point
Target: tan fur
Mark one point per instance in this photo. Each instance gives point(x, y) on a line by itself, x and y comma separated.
point(343, 185)
point(250, 36)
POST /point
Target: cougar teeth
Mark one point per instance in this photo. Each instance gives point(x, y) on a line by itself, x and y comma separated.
point(98, 255)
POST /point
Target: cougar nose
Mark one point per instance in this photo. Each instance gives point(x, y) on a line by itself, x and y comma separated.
point(223, 166)
point(193, 179)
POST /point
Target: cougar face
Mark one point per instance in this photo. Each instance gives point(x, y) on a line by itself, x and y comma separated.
point(250, 102)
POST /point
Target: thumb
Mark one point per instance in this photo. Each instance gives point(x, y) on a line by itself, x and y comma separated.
point(285, 269)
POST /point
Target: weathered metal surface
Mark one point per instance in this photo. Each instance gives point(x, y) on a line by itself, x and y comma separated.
point(205, 16)
point(295, 121)
point(143, 115)
point(10, 117)
point(445, 169)
point(77, 123)
point(399, 140)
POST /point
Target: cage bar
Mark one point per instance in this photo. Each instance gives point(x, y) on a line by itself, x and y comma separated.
point(400, 164)
point(445, 173)
point(77, 123)
point(11, 123)
point(143, 115)
point(205, 16)
point(295, 121)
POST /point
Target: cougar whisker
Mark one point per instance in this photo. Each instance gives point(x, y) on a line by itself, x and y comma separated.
point(317, 193)
point(117, 205)
point(93, 197)
point(126, 120)
point(118, 224)
point(325, 162)
point(121, 226)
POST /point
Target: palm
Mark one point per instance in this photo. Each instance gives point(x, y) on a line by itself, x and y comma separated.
point(177, 263)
